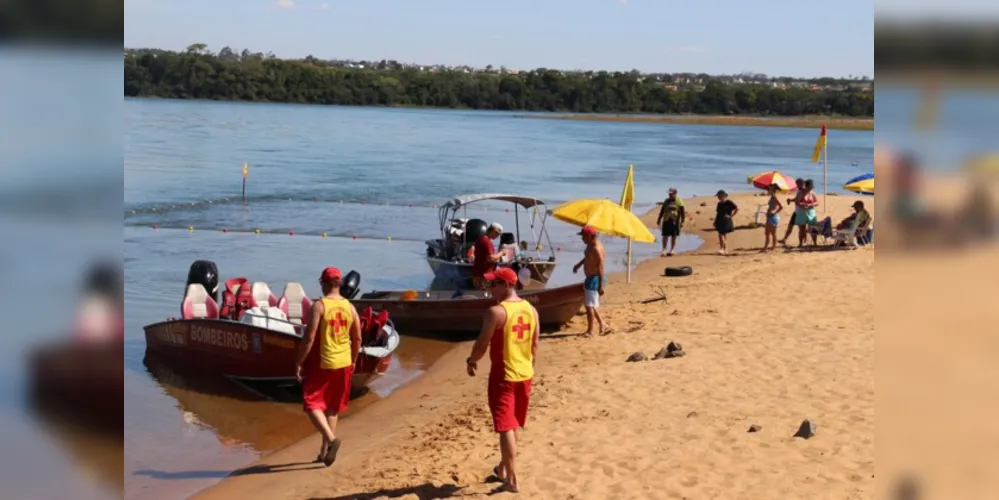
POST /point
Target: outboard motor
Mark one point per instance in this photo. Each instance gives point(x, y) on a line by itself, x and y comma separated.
point(205, 273)
point(351, 285)
point(474, 229)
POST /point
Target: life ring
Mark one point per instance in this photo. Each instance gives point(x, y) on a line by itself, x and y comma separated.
point(676, 272)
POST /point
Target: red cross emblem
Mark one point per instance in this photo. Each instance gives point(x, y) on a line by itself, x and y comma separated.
point(337, 323)
point(521, 328)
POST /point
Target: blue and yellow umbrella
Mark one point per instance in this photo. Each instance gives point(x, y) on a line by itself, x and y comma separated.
point(863, 184)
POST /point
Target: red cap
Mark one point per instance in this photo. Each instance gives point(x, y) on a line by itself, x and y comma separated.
point(504, 274)
point(588, 231)
point(330, 274)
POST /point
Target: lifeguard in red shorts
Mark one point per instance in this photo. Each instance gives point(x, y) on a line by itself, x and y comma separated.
point(510, 332)
point(327, 369)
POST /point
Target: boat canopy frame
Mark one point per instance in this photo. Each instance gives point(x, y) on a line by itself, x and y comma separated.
point(449, 210)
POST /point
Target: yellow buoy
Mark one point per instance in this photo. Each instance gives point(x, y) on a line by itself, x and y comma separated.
point(390, 238)
point(257, 231)
point(324, 235)
point(190, 228)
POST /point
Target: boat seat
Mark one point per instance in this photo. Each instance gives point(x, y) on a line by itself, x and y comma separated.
point(197, 304)
point(262, 295)
point(295, 303)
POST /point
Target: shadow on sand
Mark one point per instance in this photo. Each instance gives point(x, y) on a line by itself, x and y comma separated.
point(220, 474)
point(425, 491)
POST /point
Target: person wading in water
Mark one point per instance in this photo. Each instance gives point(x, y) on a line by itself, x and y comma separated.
point(328, 368)
point(510, 332)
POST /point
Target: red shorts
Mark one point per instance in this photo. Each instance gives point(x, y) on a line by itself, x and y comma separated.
point(508, 403)
point(327, 390)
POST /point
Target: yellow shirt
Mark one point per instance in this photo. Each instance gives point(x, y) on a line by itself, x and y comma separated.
point(518, 341)
point(334, 334)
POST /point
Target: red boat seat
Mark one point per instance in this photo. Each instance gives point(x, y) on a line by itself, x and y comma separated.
point(198, 304)
point(295, 303)
point(262, 295)
point(371, 327)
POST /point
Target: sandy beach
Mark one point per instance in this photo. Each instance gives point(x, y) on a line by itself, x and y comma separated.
point(771, 339)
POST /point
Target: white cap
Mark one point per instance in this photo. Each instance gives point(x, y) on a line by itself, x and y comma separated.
point(495, 226)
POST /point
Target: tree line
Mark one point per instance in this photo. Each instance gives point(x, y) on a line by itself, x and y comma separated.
point(228, 75)
point(936, 45)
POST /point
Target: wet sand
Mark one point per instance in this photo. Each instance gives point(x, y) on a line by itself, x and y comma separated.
point(771, 339)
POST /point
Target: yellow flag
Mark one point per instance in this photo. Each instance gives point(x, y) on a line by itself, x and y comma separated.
point(819, 145)
point(246, 170)
point(628, 194)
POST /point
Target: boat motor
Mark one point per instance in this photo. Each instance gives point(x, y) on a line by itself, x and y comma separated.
point(351, 284)
point(206, 274)
point(474, 229)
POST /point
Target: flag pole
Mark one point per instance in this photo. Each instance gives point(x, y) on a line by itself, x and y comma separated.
point(629, 261)
point(825, 175)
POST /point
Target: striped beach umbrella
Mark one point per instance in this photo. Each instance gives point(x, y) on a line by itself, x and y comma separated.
point(764, 180)
point(863, 184)
point(861, 177)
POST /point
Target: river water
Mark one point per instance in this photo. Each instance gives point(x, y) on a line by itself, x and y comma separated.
point(369, 179)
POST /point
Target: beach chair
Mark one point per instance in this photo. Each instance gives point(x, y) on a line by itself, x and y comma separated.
point(848, 236)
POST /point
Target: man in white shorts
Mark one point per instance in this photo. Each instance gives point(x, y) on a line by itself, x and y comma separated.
point(593, 285)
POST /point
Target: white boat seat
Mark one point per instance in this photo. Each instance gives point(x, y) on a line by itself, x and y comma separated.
point(270, 318)
point(262, 295)
point(295, 304)
point(197, 304)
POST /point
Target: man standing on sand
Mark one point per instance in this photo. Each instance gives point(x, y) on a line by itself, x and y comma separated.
point(671, 217)
point(329, 367)
point(510, 332)
point(485, 256)
point(593, 284)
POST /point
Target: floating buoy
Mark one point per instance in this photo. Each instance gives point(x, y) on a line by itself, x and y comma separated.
point(257, 231)
point(224, 230)
point(410, 205)
point(190, 228)
point(559, 249)
point(324, 236)
point(355, 236)
point(390, 238)
point(291, 233)
point(155, 226)
point(508, 210)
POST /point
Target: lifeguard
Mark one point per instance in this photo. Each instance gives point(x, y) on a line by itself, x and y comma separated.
point(510, 332)
point(329, 367)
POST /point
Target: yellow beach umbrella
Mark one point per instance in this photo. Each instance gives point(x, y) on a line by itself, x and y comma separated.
point(605, 217)
point(865, 186)
point(984, 164)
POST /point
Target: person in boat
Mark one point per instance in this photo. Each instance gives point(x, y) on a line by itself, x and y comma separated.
point(671, 217)
point(335, 331)
point(593, 284)
point(486, 256)
point(510, 333)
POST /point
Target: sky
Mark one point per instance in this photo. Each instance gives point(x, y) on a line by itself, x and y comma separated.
point(795, 38)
